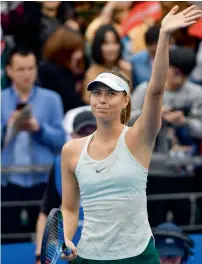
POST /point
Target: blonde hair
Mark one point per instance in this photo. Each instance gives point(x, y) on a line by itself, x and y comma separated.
point(126, 112)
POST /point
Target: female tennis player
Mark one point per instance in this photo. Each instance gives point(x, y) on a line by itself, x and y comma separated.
point(108, 170)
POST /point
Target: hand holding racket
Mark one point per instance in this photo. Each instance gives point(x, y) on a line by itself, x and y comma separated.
point(53, 245)
point(73, 253)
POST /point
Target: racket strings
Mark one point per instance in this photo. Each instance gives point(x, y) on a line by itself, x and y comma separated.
point(53, 244)
point(53, 238)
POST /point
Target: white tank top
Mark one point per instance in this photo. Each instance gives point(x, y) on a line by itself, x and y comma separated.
point(113, 196)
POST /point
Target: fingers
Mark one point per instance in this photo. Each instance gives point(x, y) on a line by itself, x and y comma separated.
point(24, 128)
point(191, 14)
point(67, 258)
point(72, 24)
point(15, 114)
point(187, 10)
point(72, 247)
point(194, 17)
point(189, 23)
point(166, 109)
point(191, 19)
point(194, 14)
point(174, 10)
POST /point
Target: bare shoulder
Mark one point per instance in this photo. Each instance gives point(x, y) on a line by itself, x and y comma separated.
point(71, 152)
point(74, 146)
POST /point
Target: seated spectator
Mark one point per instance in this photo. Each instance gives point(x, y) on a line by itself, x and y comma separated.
point(29, 154)
point(62, 68)
point(172, 245)
point(182, 99)
point(29, 23)
point(196, 75)
point(69, 118)
point(49, 19)
point(4, 54)
point(107, 56)
point(142, 61)
point(83, 124)
point(53, 14)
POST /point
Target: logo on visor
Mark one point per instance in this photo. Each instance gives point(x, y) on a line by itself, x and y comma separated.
point(116, 80)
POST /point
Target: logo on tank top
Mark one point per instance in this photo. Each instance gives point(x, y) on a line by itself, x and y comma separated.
point(98, 171)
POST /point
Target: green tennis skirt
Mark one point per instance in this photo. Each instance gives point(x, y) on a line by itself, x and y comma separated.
point(148, 256)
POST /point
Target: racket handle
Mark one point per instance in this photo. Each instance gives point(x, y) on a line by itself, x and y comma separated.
point(66, 250)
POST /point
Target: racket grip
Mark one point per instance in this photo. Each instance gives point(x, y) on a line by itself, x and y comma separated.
point(66, 250)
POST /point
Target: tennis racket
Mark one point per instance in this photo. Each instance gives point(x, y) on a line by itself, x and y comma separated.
point(53, 239)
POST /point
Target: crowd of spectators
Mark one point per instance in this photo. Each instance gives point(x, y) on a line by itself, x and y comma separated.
point(50, 51)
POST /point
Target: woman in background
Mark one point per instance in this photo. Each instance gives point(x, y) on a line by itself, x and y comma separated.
point(62, 67)
point(107, 56)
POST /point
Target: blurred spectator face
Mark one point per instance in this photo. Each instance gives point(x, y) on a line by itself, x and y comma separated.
point(51, 4)
point(22, 71)
point(171, 249)
point(153, 46)
point(82, 6)
point(76, 61)
point(171, 260)
point(151, 39)
point(175, 78)
point(50, 8)
point(84, 124)
point(152, 49)
point(84, 132)
point(65, 48)
point(110, 48)
point(182, 62)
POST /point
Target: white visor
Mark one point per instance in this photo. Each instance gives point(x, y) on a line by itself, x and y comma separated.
point(113, 81)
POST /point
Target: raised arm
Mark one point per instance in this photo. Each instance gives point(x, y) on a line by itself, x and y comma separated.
point(149, 123)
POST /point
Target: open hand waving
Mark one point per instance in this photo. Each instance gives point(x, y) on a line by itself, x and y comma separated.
point(187, 17)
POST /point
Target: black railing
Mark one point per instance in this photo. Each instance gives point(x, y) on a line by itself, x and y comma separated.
point(152, 197)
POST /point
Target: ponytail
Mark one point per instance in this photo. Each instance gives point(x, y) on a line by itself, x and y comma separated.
point(126, 113)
